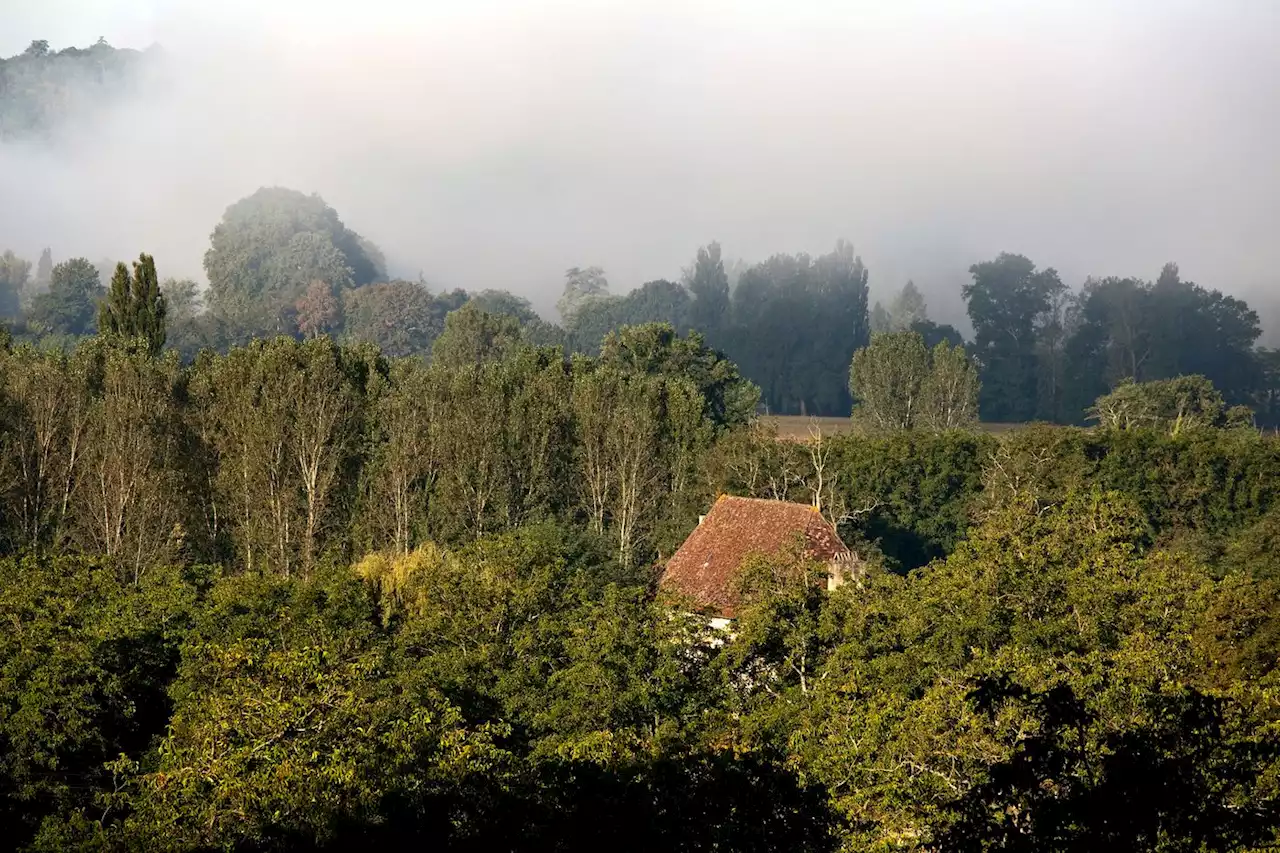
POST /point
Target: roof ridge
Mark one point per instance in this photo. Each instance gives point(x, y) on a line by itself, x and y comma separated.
point(765, 501)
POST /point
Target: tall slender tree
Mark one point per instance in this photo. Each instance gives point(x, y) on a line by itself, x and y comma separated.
point(134, 307)
point(710, 287)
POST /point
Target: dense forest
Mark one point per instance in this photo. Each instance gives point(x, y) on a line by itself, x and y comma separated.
point(303, 595)
point(312, 559)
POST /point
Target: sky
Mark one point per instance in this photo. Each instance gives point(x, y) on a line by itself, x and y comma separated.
point(494, 143)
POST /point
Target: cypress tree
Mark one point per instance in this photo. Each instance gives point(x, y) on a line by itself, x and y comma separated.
point(134, 307)
point(115, 312)
point(149, 304)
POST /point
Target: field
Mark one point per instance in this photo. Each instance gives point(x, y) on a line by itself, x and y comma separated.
point(799, 426)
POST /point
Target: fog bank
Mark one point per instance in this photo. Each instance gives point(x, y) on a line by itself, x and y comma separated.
point(495, 144)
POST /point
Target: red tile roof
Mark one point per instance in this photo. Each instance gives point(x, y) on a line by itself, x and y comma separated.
point(706, 566)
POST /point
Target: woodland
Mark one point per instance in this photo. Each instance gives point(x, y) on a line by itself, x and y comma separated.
point(314, 559)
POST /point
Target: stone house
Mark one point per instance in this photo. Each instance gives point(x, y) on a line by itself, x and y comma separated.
point(705, 569)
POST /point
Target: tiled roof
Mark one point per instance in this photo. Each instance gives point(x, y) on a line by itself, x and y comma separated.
point(706, 566)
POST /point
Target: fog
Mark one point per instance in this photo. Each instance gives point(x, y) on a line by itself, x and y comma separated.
point(493, 143)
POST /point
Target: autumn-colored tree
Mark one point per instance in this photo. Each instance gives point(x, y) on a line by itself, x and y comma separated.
point(318, 311)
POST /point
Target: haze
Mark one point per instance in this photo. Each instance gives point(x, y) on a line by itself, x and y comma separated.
point(495, 143)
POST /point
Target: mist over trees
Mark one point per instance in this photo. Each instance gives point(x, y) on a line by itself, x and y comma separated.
point(314, 558)
point(41, 89)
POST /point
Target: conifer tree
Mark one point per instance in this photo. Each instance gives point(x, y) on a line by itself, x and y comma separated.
point(134, 307)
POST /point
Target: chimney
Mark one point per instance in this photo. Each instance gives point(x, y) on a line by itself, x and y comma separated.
point(701, 519)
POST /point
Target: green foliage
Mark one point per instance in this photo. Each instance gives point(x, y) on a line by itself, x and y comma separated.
point(900, 385)
point(1018, 696)
point(581, 286)
point(709, 286)
point(41, 89)
point(1009, 301)
point(1062, 639)
point(70, 305)
point(134, 307)
point(14, 275)
point(653, 302)
point(472, 337)
point(1169, 405)
point(84, 662)
point(1130, 329)
point(796, 322)
point(908, 308)
point(879, 319)
point(260, 749)
point(885, 380)
point(401, 318)
point(935, 334)
point(267, 250)
point(656, 350)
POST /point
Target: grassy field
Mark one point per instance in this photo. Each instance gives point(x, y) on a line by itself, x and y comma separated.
point(797, 426)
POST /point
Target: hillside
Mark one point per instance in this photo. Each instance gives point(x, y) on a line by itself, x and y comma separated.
point(41, 89)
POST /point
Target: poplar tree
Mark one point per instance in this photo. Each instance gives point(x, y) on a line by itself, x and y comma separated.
point(134, 307)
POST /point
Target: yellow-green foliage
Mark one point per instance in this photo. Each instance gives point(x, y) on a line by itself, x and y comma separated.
point(397, 577)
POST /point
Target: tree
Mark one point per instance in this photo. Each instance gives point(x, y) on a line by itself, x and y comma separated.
point(130, 504)
point(879, 320)
point(1267, 401)
point(1141, 331)
point(135, 307)
point(886, 380)
point(401, 318)
point(1171, 405)
point(1007, 302)
point(580, 286)
point(70, 305)
point(267, 250)
point(14, 272)
point(709, 286)
point(899, 384)
point(400, 478)
point(83, 669)
point(617, 418)
point(908, 308)
point(319, 311)
point(182, 299)
point(951, 390)
point(654, 349)
point(44, 271)
point(503, 302)
point(935, 334)
point(658, 301)
point(797, 321)
point(282, 419)
point(260, 752)
point(999, 700)
point(49, 395)
point(471, 336)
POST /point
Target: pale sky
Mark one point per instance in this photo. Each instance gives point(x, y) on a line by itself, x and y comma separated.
point(495, 143)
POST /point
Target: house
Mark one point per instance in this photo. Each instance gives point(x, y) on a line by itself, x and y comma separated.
point(705, 568)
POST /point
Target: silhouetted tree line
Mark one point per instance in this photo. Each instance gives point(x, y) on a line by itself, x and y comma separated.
point(281, 262)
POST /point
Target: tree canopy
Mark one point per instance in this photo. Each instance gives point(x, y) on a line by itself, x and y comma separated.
point(267, 250)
